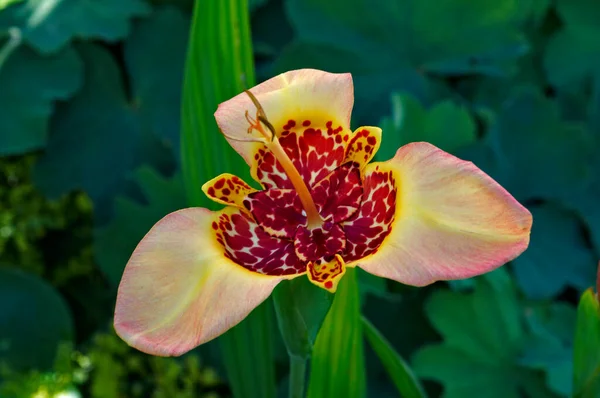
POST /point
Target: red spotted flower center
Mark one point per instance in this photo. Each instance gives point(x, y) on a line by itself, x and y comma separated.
point(279, 213)
point(317, 212)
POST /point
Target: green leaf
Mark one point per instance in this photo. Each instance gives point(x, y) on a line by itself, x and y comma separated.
point(445, 125)
point(155, 56)
point(114, 243)
point(369, 284)
point(301, 308)
point(102, 120)
point(581, 14)
point(372, 80)
point(573, 52)
point(30, 85)
point(571, 57)
point(34, 320)
point(549, 346)
point(586, 202)
point(530, 135)
point(586, 359)
point(247, 352)
point(48, 25)
point(94, 137)
point(557, 257)
point(398, 370)
point(483, 337)
point(338, 363)
point(219, 65)
point(448, 36)
point(397, 45)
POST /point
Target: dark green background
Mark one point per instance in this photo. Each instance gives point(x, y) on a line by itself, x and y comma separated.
point(89, 139)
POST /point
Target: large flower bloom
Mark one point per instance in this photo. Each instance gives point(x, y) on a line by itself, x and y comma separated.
point(422, 216)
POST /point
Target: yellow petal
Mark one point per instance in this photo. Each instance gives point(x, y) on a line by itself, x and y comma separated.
point(299, 95)
point(227, 189)
point(179, 290)
point(363, 145)
point(452, 221)
point(327, 275)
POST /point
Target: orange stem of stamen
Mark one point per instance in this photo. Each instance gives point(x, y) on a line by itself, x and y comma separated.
point(312, 214)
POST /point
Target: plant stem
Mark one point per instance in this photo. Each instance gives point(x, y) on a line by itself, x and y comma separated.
point(297, 376)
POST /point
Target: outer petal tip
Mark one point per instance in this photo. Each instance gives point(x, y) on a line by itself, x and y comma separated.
point(179, 290)
point(452, 220)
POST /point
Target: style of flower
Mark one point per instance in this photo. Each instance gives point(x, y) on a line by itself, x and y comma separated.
point(419, 217)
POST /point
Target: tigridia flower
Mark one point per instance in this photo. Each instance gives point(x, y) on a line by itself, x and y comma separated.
point(422, 216)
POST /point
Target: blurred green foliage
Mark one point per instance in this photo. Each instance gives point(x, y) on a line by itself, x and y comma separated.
point(110, 369)
point(89, 137)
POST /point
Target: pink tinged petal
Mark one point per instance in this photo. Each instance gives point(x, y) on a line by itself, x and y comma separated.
point(178, 289)
point(366, 229)
point(319, 244)
point(315, 150)
point(327, 275)
point(248, 245)
point(338, 196)
point(278, 211)
point(227, 189)
point(294, 95)
point(363, 145)
point(452, 220)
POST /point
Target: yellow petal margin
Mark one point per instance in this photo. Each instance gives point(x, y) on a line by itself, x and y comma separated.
point(294, 95)
point(452, 220)
point(178, 289)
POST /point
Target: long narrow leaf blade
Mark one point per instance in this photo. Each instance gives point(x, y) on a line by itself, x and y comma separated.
point(405, 381)
point(247, 352)
point(338, 362)
point(586, 352)
point(219, 66)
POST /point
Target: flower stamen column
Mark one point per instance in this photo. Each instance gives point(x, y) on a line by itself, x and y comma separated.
point(314, 219)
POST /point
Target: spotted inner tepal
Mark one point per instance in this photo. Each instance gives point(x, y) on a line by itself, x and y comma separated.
point(270, 232)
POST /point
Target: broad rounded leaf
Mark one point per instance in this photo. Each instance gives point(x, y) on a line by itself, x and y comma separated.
point(445, 125)
point(443, 36)
point(30, 85)
point(49, 25)
point(94, 138)
point(571, 57)
point(483, 335)
point(34, 320)
point(557, 257)
point(155, 55)
point(539, 154)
